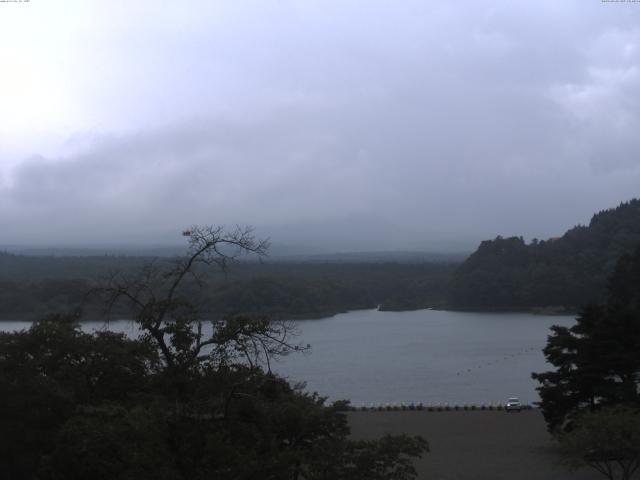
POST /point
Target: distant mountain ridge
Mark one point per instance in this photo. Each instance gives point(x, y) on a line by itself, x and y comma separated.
point(567, 272)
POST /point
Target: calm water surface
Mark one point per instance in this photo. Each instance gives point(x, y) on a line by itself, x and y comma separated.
point(424, 356)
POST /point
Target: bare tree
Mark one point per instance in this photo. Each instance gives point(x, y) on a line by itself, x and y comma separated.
point(170, 319)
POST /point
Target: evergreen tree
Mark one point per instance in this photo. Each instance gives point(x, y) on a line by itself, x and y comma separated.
point(598, 359)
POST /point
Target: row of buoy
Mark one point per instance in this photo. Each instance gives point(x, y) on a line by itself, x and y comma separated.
point(439, 407)
point(500, 360)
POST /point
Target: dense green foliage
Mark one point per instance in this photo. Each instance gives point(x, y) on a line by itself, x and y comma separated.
point(187, 400)
point(49, 374)
point(32, 286)
point(101, 406)
point(597, 360)
point(570, 271)
point(607, 440)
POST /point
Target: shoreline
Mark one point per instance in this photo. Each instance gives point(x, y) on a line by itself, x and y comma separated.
point(537, 311)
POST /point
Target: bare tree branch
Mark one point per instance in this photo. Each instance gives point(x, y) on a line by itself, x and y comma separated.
point(173, 323)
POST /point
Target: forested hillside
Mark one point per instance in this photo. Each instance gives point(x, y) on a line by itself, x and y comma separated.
point(31, 287)
point(503, 274)
point(570, 271)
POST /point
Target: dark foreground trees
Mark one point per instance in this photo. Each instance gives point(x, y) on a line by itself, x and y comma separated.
point(591, 402)
point(607, 440)
point(598, 359)
point(188, 399)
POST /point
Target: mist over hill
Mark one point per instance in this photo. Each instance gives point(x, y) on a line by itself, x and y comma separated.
point(568, 271)
point(502, 274)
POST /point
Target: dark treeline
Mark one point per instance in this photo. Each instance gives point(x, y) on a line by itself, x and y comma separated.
point(569, 271)
point(29, 269)
point(503, 274)
point(33, 286)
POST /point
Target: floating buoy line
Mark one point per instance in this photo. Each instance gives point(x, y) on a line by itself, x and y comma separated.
point(498, 361)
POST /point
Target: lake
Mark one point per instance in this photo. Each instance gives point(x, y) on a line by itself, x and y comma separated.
point(427, 356)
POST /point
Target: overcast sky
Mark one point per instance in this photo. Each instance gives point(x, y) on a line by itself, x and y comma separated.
point(340, 124)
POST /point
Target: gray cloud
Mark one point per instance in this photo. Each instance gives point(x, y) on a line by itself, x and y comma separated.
point(391, 126)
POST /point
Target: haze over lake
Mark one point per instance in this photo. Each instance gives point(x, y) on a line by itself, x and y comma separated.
point(425, 356)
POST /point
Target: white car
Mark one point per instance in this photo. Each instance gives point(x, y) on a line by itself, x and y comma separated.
point(513, 404)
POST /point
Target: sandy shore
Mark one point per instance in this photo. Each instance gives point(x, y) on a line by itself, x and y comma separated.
point(475, 445)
